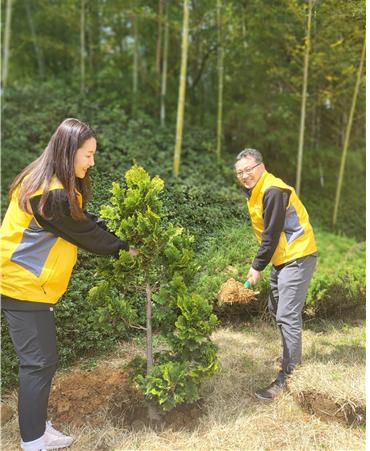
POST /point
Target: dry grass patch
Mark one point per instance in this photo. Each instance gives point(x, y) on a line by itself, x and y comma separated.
point(331, 383)
point(232, 418)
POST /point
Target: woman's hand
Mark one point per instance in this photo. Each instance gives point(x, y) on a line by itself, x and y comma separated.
point(133, 252)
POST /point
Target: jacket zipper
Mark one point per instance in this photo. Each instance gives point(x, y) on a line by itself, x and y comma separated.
point(47, 280)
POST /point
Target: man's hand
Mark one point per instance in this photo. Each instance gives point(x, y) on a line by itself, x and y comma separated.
point(133, 252)
point(253, 276)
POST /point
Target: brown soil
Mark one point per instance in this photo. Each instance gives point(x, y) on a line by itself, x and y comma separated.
point(105, 395)
point(328, 410)
point(233, 291)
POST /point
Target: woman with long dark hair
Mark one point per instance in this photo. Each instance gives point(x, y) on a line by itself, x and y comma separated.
point(45, 223)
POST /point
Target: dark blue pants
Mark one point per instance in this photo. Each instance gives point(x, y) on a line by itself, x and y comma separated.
point(34, 337)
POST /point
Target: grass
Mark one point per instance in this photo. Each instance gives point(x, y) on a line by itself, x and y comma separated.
point(334, 365)
point(338, 282)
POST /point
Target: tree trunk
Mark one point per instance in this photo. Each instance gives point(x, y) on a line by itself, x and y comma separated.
point(153, 414)
point(304, 98)
point(182, 87)
point(38, 50)
point(149, 336)
point(89, 38)
point(135, 70)
point(164, 67)
point(8, 18)
point(220, 70)
point(159, 39)
point(82, 47)
point(347, 135)
point(244, 31)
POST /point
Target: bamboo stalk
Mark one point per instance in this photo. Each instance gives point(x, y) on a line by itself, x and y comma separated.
point(220, 67)
point(82, 47)
point(8, 19)
point(159, 38)
point(38, 50)
point(182, 88)
point(135, 70)
point(164, 67)
point(347, 135)
point(304, 98)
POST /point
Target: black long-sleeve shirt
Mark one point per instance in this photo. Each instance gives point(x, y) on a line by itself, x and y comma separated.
point(89, 234)
point(275, 202)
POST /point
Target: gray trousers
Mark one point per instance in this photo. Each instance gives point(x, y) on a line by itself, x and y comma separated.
point(34, 339)
point(289, 286)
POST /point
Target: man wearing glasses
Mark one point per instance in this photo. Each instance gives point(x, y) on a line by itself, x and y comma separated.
point(282, 228)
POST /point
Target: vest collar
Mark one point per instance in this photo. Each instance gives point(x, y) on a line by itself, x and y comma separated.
point(257, 187)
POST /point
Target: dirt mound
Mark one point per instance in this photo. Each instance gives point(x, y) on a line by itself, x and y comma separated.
point(326, 409)
point(76, 397)
point(233, 291)
point(105, 395)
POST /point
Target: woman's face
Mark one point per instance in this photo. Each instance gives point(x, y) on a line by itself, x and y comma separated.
point(84, 158)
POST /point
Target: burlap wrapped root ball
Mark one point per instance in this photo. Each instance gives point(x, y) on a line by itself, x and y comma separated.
point(233, 291)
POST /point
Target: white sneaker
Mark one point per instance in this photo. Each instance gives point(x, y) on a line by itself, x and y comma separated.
point(34, 445)
point(55, 439)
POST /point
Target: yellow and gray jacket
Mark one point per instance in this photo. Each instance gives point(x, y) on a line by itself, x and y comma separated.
point(38, 254)
point(280, 223)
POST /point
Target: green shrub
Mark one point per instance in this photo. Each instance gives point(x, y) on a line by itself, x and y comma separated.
point(338, 285)
point(160, 273)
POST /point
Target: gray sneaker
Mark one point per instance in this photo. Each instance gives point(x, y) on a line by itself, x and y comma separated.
point(273, 390)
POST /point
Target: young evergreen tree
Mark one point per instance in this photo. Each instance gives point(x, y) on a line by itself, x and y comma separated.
point(162, 273)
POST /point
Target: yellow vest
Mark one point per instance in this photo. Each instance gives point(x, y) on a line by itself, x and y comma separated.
point(297, 238)
point(36, 265)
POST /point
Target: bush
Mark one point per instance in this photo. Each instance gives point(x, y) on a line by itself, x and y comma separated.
point(161, 273)
point(338, 285)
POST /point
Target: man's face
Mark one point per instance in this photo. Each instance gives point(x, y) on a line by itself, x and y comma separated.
point(248, 171)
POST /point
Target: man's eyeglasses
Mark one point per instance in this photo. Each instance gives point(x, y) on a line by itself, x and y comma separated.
point(246, 171)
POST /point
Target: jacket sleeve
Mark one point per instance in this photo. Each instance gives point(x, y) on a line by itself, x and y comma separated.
point(86, 233)
point(99, 221)
point(275, 202)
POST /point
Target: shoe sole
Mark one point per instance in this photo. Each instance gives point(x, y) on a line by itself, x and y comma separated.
point(261, 398)
point(59, 446)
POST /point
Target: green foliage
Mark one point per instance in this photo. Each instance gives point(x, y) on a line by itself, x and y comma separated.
point(162, 271)
point(338, 285)
point(114, 313)
point(9, 361)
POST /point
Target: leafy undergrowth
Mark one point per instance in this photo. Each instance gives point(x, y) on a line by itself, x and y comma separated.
point(229, 416)
point(337, 288)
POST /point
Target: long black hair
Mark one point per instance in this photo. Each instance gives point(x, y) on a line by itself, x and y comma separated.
point(56, 160)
